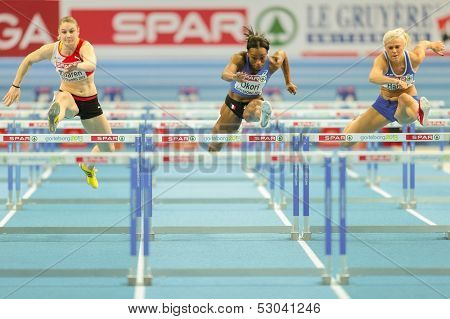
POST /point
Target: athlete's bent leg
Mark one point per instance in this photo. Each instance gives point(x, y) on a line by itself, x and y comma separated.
point(368, 122)
point(227, 123)
point(63, 106)
point(96, 125)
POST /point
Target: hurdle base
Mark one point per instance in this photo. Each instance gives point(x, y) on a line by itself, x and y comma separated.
point(412, 204)
point(148, 280)
point(9, 205)
point(295, 235)
point(132, 280)
point(404, 205)
point(448, 235)
point(326, 279)
point(343, 279)
point(306, 235)
point(19, 204)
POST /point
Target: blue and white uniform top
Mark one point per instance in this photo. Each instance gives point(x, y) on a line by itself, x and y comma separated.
point(408, 75)
point(253, 83)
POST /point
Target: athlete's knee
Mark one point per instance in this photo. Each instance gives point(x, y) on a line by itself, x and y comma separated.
point(64, 97)
point(228, 127)
point(214, 147)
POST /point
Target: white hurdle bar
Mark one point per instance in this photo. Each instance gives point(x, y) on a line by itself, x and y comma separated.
point(217, 104)
point(209, 114)
point(198, 124)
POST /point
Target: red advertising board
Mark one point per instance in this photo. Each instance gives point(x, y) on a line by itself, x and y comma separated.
point(170, 26)
point(27, 25)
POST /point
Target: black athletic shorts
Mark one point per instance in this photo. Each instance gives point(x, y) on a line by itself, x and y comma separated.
point(88, 106)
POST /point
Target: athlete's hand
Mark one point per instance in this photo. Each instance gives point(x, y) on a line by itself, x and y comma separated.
point(438, 47)
point(292, 88)
point(12, 96)
point(403, 85)
point(70, 67)
point(239, 77)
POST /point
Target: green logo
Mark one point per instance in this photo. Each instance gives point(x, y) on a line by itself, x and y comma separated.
point(34, 139)
point(121, 138)
point(279, 24)
point(349, 137)
point(437, 137)
point(279, 138)
point(192, 138)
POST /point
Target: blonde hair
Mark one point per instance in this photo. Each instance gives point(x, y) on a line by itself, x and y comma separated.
point(394, 34)
point(68, 19)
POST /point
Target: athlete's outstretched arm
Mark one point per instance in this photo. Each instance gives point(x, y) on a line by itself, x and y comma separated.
point(89, 58)
point(377, 76)
point(43, 53)
point(281, 61)
point(230, 73)
point(418, 54)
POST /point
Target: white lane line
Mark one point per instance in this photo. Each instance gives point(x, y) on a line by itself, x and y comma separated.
point(281, 215)
point(420, 216)
point(7, 217)
point(335, 286)
point(380, 191)
point(352, 174)
point(339, 290)
point(46, 174)
point(29, 192)
point(139, 291)
point(408, 210)
point(311, 254)
point(264, 192)
point(250, 175)
point(27, 195)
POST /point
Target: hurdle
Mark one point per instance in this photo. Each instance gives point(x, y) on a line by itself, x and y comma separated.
point(398, 157)
point(210, 114)
point(141, 162)
point(317, 104)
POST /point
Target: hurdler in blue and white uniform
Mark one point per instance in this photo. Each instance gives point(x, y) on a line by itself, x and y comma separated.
point(249, 71)
point(394, 70)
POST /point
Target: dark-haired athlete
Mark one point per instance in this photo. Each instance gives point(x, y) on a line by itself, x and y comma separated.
point(248, 71)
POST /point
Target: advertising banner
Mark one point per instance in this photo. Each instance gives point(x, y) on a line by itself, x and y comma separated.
point(213, 28)
point(27, 25)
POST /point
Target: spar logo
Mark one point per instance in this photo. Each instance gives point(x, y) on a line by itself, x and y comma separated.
point(178, 159)
point(375, 158)
point(422, 137)
point(164, 26)
point(17, 138)
point(279, 24)
point(92, 159)
point(24, 25)
point(304, 124)
point(107, 138)
point(178, 138)
point(335, 137)
point(265, 138)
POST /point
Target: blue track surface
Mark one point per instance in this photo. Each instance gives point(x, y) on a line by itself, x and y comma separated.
point(41, 252)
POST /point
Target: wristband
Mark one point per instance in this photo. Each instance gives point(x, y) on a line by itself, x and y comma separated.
point(17, 87)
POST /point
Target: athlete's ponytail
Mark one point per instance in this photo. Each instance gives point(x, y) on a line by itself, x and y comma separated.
point(255, 39)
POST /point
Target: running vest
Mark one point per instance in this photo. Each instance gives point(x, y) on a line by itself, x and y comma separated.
point(253, 83)
point(59, 60)
point(408, 76)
